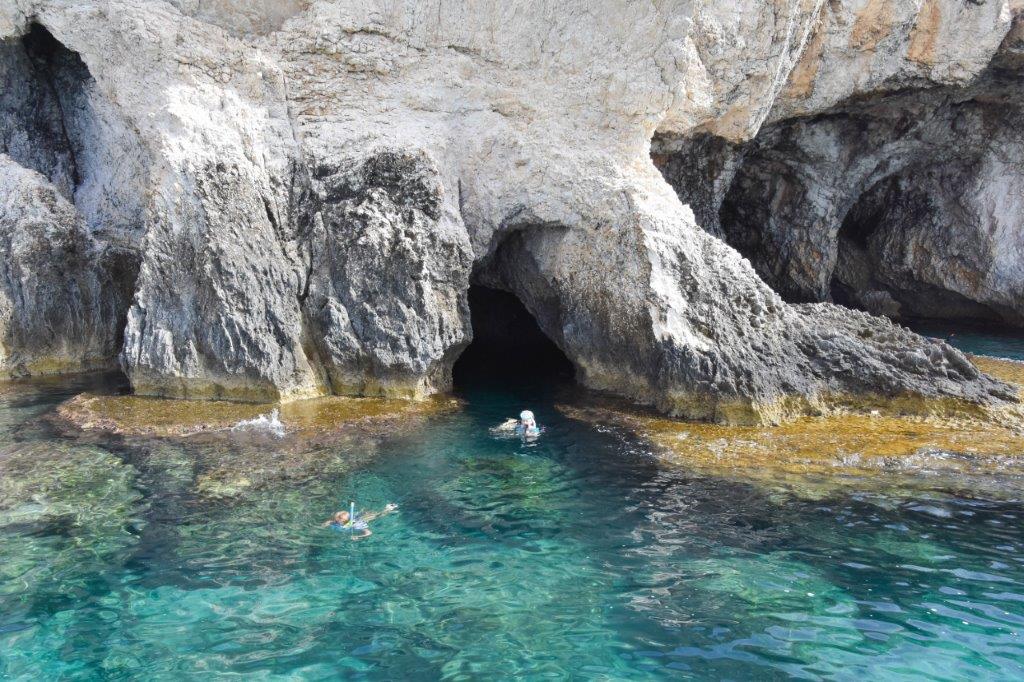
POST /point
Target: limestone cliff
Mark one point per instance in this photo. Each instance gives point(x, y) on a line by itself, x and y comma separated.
point(299, 194)
point(890, 173)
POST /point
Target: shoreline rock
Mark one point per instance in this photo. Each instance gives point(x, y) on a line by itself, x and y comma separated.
point(301, 196)
point(870, 447)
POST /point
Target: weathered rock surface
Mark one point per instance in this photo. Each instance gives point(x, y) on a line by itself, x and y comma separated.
point(889, 173)
point(62, 296)
point(388, 275)
point(715, 347)
point(314, 185)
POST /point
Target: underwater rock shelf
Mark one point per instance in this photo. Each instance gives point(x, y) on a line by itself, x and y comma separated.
point(817, 455)
point(143, 416)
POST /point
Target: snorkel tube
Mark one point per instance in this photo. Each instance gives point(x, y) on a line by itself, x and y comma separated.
point(352, 517)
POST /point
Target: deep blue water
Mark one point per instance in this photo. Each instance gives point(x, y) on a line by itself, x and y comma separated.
point(578, 556)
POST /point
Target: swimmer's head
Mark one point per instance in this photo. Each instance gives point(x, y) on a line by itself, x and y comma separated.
point(341, 517)
point(527, 418)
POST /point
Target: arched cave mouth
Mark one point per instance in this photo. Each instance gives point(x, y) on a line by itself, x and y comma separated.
point(508, 346)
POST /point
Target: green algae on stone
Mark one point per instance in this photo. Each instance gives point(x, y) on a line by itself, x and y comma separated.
point(242, 473)
point(767, 581)
point(87, 485)
point(321, 437)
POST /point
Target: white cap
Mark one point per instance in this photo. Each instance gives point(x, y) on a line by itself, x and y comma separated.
point(525, 415)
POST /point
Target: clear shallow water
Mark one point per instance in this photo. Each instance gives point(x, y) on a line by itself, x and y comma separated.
point(578, 556)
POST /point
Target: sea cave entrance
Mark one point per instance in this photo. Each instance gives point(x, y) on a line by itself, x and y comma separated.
point(508, 345)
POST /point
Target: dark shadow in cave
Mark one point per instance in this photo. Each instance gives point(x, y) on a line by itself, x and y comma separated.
point(868, 213)
point(855, 265)
point(508, 346)
point(55, 120)
point(861, 279)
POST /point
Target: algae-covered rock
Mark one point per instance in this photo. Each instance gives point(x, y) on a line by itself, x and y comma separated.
point(146, 416)
point(869, 444)
point(225, 450)
point(768, 582)
point(87, 486)
point(247, 471)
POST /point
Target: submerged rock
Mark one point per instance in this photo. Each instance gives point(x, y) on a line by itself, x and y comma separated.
point(69, 510)
point(87, 486)
point(320, 184)
point(146, 416)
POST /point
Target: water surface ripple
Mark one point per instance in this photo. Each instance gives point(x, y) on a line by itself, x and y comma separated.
point(581, 555)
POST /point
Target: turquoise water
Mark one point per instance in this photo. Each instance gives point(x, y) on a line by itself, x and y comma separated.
point(981, 339)
point(579, 556)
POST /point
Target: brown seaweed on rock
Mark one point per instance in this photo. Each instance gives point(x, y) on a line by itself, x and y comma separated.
point(867, 448)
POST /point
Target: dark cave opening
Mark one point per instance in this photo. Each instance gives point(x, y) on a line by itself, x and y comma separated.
point(53, 61)
point(853, 273)
point(863, 220)
point(870, 241)
point(508, 345)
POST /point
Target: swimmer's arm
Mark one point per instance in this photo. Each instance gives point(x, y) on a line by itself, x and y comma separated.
point(370, 516)
point(366, 532)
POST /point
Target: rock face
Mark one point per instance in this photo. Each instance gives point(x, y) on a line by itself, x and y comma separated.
point(388, 274)
point(307, 189)
point(903, 198)
point(71, 179)
point(62, 296)
point(723, 348)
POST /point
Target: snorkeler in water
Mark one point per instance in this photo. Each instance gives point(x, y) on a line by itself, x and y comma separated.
point(525, 426)
point(360, 524)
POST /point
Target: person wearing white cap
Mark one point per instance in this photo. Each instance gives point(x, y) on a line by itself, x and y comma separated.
point(525, 426)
